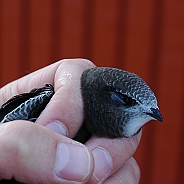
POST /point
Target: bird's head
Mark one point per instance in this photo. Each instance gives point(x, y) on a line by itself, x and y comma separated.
point(117, 103)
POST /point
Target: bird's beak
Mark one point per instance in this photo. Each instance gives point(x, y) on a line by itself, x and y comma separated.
point(155, 113)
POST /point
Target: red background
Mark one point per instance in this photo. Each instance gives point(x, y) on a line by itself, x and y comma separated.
point(145, 37)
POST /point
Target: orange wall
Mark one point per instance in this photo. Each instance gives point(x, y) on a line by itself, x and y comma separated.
point(145, 37)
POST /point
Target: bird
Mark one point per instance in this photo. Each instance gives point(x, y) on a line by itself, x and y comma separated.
point(117, 103)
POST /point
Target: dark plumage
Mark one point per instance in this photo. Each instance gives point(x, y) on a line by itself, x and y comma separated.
point(26, 106)
point(117, 103)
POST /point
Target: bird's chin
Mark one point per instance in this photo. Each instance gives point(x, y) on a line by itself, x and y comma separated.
point(134, 126)
point(128, 136)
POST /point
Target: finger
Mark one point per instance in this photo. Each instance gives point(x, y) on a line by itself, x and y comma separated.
point(110, 154)
point(129, 173)
point(64, 113)
point(33, 154)
point(36, 79)
point(28, 82)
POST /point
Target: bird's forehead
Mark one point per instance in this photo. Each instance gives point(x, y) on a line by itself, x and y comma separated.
point(132, 85)
point(122, 81)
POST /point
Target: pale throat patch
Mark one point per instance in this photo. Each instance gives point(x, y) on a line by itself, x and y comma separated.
point(135, 124)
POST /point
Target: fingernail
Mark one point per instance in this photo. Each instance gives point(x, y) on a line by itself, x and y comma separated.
point(103, 164)
point(73, 162)
point(57, 127)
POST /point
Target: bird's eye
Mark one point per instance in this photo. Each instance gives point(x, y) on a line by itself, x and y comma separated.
point(121, 99)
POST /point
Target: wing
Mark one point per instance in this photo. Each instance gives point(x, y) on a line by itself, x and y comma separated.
point(27, 106)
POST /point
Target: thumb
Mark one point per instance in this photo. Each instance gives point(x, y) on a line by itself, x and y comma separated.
point(32, 153)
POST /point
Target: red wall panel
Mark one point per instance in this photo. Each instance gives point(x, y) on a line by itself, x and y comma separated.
point(145, 37)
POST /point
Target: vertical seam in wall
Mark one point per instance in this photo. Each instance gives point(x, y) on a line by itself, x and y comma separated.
point(25, 37)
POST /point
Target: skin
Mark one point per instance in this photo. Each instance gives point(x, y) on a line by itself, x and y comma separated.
point(28, 150)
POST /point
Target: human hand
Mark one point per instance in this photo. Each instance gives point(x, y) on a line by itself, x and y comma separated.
point(33, 154)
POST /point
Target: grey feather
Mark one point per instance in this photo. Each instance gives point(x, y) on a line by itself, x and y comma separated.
point(117, 103)
point(27, 106)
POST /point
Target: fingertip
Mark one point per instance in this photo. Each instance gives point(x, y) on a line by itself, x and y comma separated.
point(57, 127)
point(128, 173)
point(74, 162)
point(66, 105)
point(119, 150)
point(47, 156)
point(103, 164)
point(83, 62)
point(136, 172)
